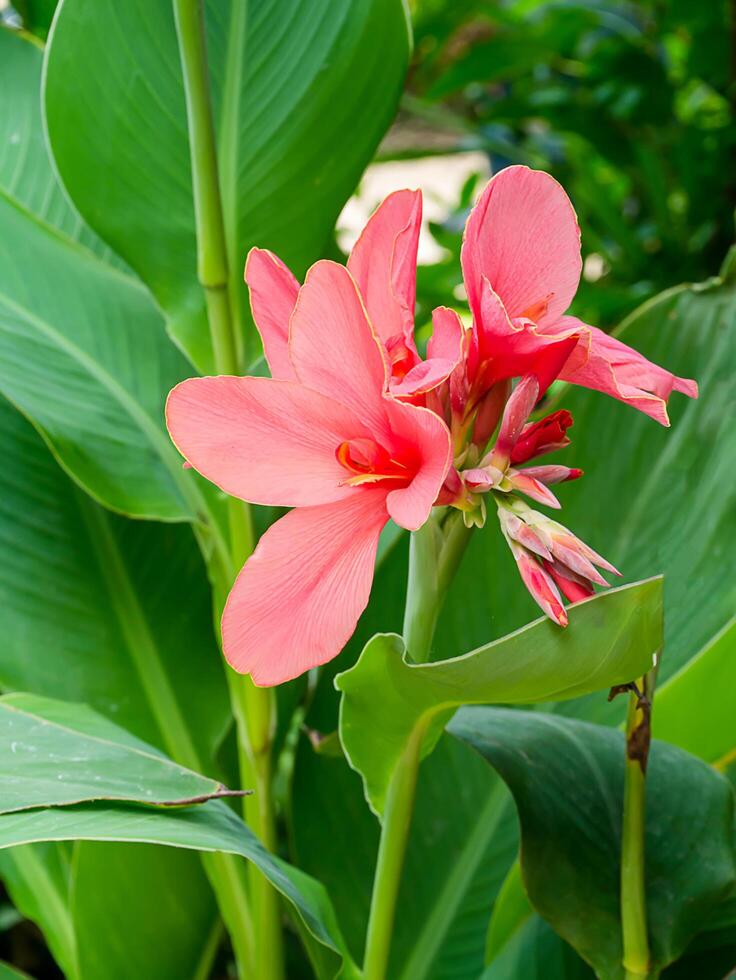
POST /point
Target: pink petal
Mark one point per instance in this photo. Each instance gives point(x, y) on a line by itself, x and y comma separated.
point(606, 364)
point(296, 602)
point(384, 262)
point(540, 585)
point(532, 488)
point(574, 589)
point(518, 409)
point(523, 237)
point(508, 350)
point(273, 292)
point(552, 473)
point(333, 347)
point(423, 377)
point(446, 342)
point(418, 433)
point(267, 441)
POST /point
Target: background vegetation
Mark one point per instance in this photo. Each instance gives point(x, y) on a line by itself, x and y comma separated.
point(631, 106)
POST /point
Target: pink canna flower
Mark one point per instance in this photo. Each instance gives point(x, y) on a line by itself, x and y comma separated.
point(325, 438)
point(383, 264)
point(521, 264)
point(519, 441)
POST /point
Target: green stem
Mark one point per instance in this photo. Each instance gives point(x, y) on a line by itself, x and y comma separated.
point(633, 894)
point(253, 707)
point(434, 556)
point(391, 851)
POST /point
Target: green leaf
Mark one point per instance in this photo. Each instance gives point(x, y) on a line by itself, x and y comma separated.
point(142, 928)
point(37, 877)
point(567, 780)
point(679, 718)
point(611, 639)
point(303, 90)
point(83, 350)
point(91, 607)
point(54, 753)
point(209, 827)
point(696, 708)
point(104, 594)
point(26, 173)
point(536, 952)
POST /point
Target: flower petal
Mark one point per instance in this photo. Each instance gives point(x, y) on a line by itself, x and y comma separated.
point(333, 347)
point(523, 237)
point(297, 600)
point(267, 441)
point(446, 342)
point(384, 264)
point(273, 293)
point(603, 363)
point(423, 435)
point(423, 377)
point(512, 350)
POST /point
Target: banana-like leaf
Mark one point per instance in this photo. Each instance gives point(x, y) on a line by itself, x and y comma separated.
point(209, 826)
point(54, 753)
point(567, 780)
point(303, 90)
point(83, 349)
point(612, 638)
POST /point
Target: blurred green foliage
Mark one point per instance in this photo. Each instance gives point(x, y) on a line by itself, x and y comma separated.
point(630, 105)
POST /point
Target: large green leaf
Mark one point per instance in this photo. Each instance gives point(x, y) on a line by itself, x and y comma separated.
point(142, 931)
point(696, 708)
point(140, 769)
point(37, 878)
point(567, 780)
point(91, 606)
point(535, 952)
point(83, 349)
point(26, 173)
point(302, 89)
point(53, 753)
point(211, 826)
point(611, 639)
point(84, 355)
point(92, 610)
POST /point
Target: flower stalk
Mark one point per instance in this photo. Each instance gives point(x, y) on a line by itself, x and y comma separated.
point(633, 891)
point(256, 934)
point(435, 553)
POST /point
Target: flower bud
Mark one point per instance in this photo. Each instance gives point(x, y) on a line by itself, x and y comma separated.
point(542, 437)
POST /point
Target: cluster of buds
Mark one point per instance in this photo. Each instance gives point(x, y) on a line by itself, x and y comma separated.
point(551, 560)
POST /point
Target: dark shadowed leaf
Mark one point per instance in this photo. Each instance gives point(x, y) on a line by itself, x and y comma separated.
point(567, 780)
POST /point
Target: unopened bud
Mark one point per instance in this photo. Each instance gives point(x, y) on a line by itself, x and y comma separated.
point(542, 437)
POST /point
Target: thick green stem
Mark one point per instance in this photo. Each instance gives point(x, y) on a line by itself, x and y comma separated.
point(633, 893)
point(391, 851)
point(434, 556)
point(253, 707)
